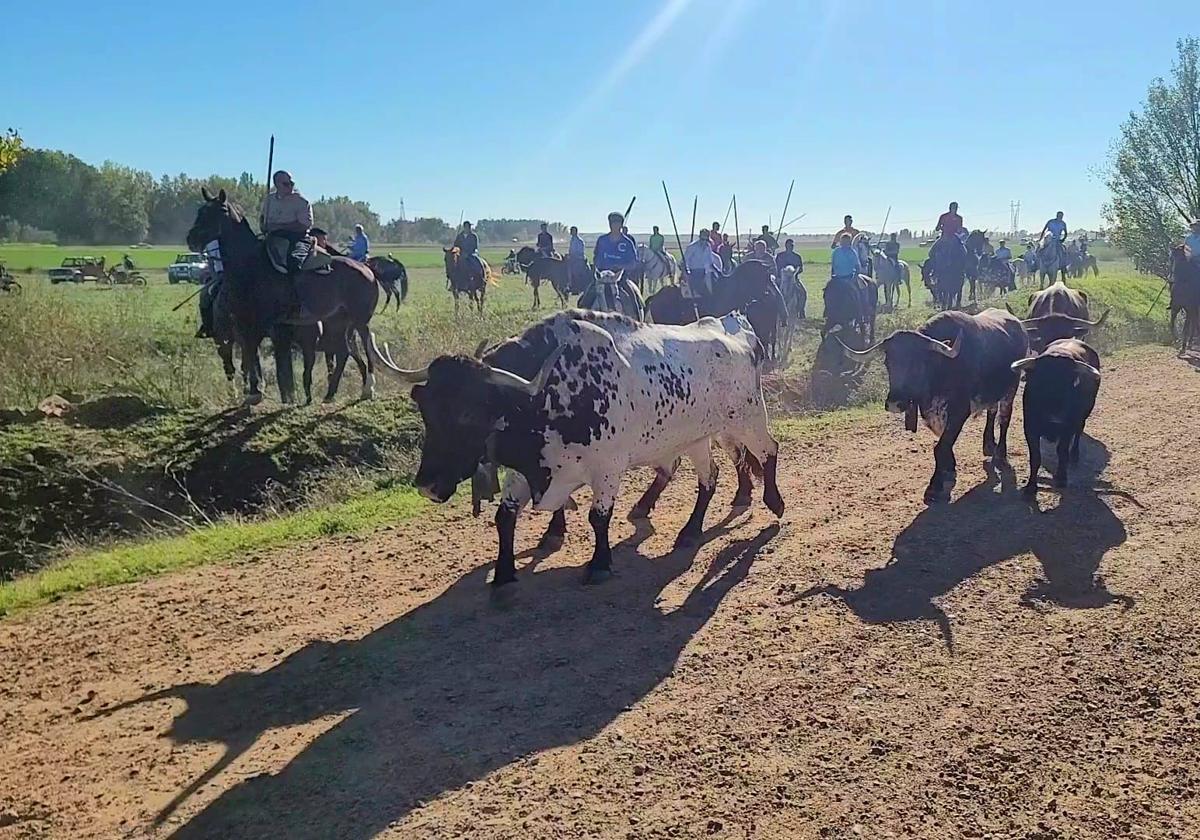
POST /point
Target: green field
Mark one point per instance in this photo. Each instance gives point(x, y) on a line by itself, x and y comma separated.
point(157, 439)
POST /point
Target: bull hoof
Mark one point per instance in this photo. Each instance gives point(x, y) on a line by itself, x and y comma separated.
point(593, 577)
point(551, 541)
point(253, 399)
point(774, 503)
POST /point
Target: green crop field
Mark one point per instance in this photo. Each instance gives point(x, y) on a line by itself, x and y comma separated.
point(156, 440)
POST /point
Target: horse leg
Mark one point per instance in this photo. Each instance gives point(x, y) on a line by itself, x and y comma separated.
point(225, 351)
point(251, 370)
point(308, 351)
point(281, 342)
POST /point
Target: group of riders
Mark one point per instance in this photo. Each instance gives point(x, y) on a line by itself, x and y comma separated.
point(293, 243)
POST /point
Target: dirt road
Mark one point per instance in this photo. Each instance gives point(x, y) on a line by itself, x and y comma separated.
point(870, 667)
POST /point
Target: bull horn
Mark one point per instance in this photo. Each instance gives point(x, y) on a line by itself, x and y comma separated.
point(1102, 318)
point(949, 352)
point(1009, 308)
point(532, 387)
point(479, 348)
point(414, 377)
point(1023, 364)
point(862, 355)
point(1087, 371)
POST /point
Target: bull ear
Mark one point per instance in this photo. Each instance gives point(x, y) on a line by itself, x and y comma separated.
point(1025, 364)
point(221, 196)
point(205, 194)
point(950, 352)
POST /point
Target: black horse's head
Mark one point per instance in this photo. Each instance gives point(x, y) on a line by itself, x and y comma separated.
point(215, 217)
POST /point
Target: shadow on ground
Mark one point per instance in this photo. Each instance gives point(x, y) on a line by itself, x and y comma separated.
point(447, 693)
point(946, 545)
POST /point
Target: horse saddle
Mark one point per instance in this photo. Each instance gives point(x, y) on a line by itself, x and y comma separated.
point(289, 256)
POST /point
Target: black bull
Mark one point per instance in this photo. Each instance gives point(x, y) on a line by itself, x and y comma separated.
point(954, 366)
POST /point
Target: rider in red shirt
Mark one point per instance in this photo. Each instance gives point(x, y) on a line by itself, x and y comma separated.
point(950, 222)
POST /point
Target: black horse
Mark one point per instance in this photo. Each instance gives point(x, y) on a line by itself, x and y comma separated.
point(945, 272)
point(392, 277)
point(851, 303)
point(466, 276)
point(261, 301)
point(751, 280)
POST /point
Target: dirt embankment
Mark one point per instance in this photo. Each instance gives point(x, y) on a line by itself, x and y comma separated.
point(870, 667)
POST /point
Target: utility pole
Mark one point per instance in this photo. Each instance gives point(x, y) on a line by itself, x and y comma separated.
point(1014, 216)
point(402, 210)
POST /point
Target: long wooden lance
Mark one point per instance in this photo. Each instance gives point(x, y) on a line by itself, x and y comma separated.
point(736, 231)
point(692, 235)
point(270, 168)
point(674, 226)
point(783, 215)
point(726, 222)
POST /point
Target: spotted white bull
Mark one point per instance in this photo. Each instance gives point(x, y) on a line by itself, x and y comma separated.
point(611, 394)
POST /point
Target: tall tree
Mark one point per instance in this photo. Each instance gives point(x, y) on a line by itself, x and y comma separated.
point(10, 149)
point(1154, 170)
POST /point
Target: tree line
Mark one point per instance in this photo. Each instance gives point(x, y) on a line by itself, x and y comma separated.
point(51, 196)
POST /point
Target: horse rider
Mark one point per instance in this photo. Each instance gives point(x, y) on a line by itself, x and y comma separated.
point(359, 245)
point(616, 251)
point(576, 259)
point(1056, 227)
point(772, 242)
point(545, 242)
point(658, 243)
point(625, 232)
point(286, 218)
point(467, 243)
point(725, 252)
point(891, 251)
point(988, 250)
point(1004, 256)
point(845, 264)
point(208, 294)
point(1030, 255)
point(1191, 244)
point(323, 242)
point(847, 228)
point(126, 262)
point(714, 237)
point(1083, 246)
point(789, 257)
point(950, 222)
point(700, 266)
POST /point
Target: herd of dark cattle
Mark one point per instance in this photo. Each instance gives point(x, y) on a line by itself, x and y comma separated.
point(582, 397)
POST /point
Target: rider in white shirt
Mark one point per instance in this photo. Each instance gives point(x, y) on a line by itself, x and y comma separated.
point(1191, 244)
point(700, 265)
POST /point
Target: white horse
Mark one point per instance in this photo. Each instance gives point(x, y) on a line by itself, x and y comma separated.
point(890, 277)
point(656, 268)
point(1051, 260)
point(862, 244)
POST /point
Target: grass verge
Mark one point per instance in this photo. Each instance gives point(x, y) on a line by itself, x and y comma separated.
point(217, 543)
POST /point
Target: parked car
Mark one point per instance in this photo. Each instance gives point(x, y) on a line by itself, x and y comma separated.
point(189, 268)
point(78, 269)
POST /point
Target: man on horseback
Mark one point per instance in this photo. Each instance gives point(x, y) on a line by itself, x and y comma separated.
point(789, 257)
point(658, 243)
point(714, 237)
point(615, 251)
point(545, 242)
point(1191, 244)
point(576, 259)
point(848, 228)
point(285, 221)
point(725, 252)
point(359, 245)
point(1056, 227)
point(891, 251)
point(844, 263)
point(700, 267)
point(322, 239)
point(772, 242)
point(949, 222)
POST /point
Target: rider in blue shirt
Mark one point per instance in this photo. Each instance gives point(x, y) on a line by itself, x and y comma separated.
point(844, 259)
point(616, 251)
point(360, 245)
point(1055, 226)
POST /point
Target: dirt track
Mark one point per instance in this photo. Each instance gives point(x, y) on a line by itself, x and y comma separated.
point(870, 668)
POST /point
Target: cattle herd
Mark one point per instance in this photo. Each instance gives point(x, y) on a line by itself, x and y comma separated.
point(582, 397)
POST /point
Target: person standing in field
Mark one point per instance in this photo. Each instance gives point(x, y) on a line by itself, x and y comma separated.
point(657, 242)
point(847, 228)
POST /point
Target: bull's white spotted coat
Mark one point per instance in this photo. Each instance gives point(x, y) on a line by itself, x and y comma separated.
point(662, 391)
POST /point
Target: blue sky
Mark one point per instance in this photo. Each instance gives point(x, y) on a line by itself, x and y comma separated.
point(563, 110)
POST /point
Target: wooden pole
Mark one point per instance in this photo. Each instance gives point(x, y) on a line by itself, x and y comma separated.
point(629, 210)
point(783, 215)
point(270, 168)
point(736, 231)
point(678, 241)
point(727, 211)
point(692, 235)
point(887, 216)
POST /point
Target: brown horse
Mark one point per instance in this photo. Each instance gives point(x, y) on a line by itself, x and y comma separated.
point(466, 276)
point(1185, 298)
point(262, 301)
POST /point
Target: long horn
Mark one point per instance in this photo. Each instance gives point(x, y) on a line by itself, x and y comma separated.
point(863, 355)
point(532, 387)
point(1087, 370)
point(1077, 323)
point(1102, 318)
point(1023, 364)
point(416, 377)
point(1009, 308)
point(949, 352)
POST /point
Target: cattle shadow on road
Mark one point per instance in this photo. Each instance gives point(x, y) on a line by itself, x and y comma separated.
point(445, 694)
point(946, 545)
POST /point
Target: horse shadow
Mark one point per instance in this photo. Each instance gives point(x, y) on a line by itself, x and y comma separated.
point(445, 694)
point(948, 544)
